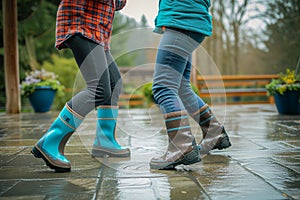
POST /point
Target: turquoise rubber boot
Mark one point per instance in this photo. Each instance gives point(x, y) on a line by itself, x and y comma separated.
point(51, 146)
point(105, 143)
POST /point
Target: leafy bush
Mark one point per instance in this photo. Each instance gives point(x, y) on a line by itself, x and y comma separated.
point(286, 81)
point(147, 91)
point(69, 76)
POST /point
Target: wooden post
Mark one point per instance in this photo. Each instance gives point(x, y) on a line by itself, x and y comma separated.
point(11, 56)
point(194, 71)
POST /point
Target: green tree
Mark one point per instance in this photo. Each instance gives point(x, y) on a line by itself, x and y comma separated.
point(283, 33)
point(229, 20)
point(36, 35)
point(144, 21)
point(36, 22)
point(119, 40)
point(36, 28)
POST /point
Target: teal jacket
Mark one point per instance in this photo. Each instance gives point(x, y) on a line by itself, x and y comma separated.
point(192, 15)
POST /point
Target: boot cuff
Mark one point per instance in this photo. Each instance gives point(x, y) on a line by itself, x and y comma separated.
point(108, 106)
point(73, 112)
point(175, 114)
point(201, 110)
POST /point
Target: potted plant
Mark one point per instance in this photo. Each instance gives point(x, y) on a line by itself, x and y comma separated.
point(286, 92)
point(40, 86)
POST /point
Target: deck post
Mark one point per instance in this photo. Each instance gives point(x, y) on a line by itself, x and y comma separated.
point(11, 56)
point(194, 71)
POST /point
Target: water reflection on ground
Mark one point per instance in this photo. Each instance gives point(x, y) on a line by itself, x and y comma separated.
point(263, 162)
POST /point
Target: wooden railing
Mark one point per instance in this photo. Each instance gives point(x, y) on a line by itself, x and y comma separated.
point(125, 100)
point(131, 100)
point(227, 86)
point(236, 86)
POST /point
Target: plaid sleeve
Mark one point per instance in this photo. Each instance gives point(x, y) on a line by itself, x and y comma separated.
point(120, 4)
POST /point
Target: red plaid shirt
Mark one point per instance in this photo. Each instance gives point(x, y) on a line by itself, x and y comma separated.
point(90, 18)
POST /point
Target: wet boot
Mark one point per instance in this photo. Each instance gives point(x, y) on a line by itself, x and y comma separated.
point(51, 146)
point(105, 143)
point(182, 147)
point(214, 134)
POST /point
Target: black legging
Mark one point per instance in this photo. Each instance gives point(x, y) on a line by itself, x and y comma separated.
point(101, 74)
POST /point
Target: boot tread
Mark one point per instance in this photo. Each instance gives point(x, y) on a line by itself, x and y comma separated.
point(37, 153)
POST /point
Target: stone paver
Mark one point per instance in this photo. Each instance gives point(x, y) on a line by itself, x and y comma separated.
point(263, 162)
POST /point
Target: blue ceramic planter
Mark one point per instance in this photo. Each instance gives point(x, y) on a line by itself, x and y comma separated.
point(42, 98)
point(288, 103)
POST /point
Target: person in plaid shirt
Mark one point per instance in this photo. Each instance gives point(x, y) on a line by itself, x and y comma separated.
point(85, 27)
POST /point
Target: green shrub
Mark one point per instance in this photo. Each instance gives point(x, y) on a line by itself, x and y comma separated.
point(67, 71)
point(147, 91)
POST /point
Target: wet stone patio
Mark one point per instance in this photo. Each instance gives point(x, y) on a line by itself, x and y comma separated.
point(263, 162)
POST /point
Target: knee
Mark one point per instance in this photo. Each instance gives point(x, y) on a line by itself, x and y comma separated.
point(155, 91)
point(102, 95)
point(161, 92)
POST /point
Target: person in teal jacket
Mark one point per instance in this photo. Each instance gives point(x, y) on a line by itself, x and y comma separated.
point(184, 24)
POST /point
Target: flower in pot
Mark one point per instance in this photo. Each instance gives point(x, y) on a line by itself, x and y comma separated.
point(286, 91)
point(41, 86)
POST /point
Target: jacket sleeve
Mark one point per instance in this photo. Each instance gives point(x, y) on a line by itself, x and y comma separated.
point(120, 4)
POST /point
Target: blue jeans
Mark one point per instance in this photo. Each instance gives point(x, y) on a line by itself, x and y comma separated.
point(171, 85)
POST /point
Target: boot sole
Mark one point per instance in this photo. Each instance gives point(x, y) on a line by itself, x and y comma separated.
point(224, 143)
point(190, 158)
point(37, 153)
point(97, 153)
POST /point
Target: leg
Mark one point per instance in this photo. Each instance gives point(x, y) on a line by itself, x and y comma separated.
point(174, 50)
point(214, 134)
point(115, 79)
point(190, 99)
point(105, 143)
point(51, 146)
point(92, 62)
